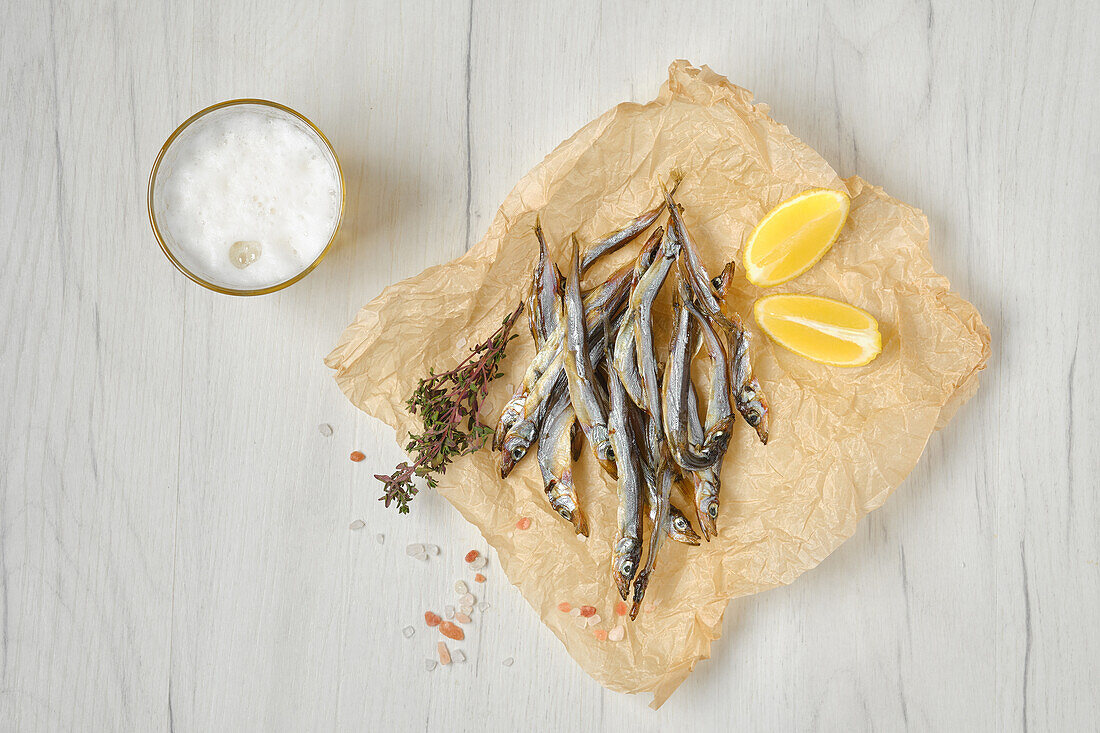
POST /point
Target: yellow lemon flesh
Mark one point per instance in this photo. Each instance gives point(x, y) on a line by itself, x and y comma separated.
point(795, 235)
point(822, 329)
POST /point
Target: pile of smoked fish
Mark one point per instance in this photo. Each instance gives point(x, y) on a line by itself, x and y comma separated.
point(597, 366)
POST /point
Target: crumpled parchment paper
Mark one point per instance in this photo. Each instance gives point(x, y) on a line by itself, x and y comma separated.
point(841, 439)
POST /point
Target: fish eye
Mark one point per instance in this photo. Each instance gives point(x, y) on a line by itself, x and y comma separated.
point(712, 510)
point(518, 452)
point(680, 523)
point(566, 515)
point(753, 418)
point(628, 568)
point(610, 453)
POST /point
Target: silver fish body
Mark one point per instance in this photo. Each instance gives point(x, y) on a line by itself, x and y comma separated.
point(616, 239)
point(660, 513)
point(584, 390)
point(627, 550)
point(556, 464)
point(677, 378)
point(641, 310)
point(706, 482)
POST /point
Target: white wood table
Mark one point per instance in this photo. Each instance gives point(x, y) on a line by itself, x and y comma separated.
point(174, 542)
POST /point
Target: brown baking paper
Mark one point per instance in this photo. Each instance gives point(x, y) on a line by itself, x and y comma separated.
point(841, 439)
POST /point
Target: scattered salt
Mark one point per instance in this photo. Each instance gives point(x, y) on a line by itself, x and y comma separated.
point(423, 557)
point(429, 664)
point(508, 662)
point(594, 620)
point(467, 599)
point(432, 549)
point(462, 618)
point(461, 342)
point(414, 549)
point(381, 538)
point(575, 611)
point(449, 611)
point(479, 563)
point(458, 655)
point(357, 524)
point(444, 653)
point(483, 606)
point(616, 634)
point(461, 588)
point(466, 609)
point(408, 631)
point(325, 429)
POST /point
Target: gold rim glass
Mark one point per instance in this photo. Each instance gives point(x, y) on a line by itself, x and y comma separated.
point(163, 240)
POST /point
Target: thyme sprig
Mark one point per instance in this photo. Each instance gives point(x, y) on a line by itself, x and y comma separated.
point(448, 405)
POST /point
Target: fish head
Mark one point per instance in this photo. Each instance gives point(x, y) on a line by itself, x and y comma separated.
point(680, 529)
point(508, 417)
point(754, 408)
point(512, 450)
point(706, 507)
point(625, 558)
point(604, 450)
point(563, 500)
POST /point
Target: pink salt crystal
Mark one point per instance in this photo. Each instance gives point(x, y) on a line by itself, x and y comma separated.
point(462, 618)
point(444, 653)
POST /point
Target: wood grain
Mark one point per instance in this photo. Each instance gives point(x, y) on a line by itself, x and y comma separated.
point(174, 542)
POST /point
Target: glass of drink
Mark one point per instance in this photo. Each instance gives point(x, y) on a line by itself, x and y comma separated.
point(246, 197)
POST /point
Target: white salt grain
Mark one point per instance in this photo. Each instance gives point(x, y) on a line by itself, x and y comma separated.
point(466, 609)
point(575, 611)
point(458, 656)
point(423, 557)
point(483, 606)
point(432, 549)
point(594, 619)
point(408, 631)
point(479, 563)
point(414, 549)
point(467, 599)
point(429, 664)
point(325, 429)
point(461, 342)
point(381, 538)
point(357, 524)
point(461, 588)
point(616, 634)
point(508, 662)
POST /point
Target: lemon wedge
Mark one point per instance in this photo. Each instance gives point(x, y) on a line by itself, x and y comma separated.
point(822, 329)
point(795, 235)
